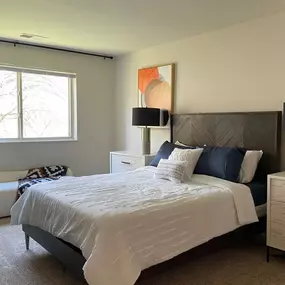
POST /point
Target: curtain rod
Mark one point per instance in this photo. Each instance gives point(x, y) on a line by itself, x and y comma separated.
point(54, 48)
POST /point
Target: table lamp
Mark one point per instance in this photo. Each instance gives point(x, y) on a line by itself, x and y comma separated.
point(149, 117)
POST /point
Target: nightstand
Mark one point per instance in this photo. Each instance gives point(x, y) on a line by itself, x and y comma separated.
point(275, 212)
point(121, 161)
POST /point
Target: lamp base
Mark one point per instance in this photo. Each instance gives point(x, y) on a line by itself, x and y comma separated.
point(146, 140)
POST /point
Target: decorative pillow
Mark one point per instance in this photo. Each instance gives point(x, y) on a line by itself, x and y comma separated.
point(24, 184)
point(220, 162)
point(172, 170)
point(47, 171)
point(164, 152)
point(249, 165)
point(181, 144)
point(40, 175)
point(189, 155)
point(185, 145)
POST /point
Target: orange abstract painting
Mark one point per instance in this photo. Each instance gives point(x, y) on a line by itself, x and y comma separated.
point(155, 86)
point(146, 76)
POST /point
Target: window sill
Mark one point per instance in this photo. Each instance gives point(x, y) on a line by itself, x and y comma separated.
point(38, 140)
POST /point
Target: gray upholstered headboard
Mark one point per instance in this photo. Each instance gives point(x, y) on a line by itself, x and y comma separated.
point(252, 130)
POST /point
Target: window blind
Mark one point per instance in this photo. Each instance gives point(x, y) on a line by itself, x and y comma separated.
point(37, 71)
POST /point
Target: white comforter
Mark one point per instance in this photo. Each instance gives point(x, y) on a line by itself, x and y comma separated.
point(124, 223)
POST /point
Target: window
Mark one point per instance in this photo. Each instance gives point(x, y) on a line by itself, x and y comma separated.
point(36, 105)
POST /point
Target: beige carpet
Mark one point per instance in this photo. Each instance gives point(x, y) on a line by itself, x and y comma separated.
point(235, 265)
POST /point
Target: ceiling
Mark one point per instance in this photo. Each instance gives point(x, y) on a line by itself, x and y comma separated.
point(120, 26)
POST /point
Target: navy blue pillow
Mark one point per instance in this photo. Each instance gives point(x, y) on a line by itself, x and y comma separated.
point(220, 162)
point(164, 152)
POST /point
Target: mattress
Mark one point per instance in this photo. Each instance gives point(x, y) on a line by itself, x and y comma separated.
point(127, 222)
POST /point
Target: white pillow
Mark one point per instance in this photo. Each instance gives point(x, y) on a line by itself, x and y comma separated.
point(181, 144)
point(189, 155)
point(172, 170)
point(249, 165)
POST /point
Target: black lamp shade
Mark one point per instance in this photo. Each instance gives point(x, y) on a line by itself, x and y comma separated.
point(149, 117)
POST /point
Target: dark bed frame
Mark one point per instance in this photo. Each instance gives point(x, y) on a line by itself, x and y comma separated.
point(252, 130)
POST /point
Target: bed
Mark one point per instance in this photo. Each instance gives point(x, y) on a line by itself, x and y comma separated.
point(258, 130)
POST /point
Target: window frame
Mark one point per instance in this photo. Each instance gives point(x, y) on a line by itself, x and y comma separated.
point(72, 107)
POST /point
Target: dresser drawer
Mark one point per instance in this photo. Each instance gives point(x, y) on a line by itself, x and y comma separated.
point(277, 235)
point(277, 182)
point(122, 163)
point(277, 193)
point(277, 212)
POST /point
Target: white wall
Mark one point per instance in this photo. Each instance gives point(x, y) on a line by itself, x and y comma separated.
point(240, 68)
point(95, 87)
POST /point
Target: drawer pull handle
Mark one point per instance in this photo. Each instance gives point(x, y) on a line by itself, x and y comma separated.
point(125, 162)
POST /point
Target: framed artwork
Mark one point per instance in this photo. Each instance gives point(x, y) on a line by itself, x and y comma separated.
point(156, 87)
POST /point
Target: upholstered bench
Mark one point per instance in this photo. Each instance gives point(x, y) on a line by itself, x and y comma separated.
point(9, 188)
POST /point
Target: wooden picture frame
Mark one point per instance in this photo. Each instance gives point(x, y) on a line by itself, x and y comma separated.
point(156, 87)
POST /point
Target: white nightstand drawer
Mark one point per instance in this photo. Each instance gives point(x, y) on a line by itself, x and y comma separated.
point(277, 212)
point(121, 163)
point(277, 182)
point(277, 236)
point(277, 193)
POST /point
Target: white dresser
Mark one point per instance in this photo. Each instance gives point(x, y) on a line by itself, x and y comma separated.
point(276, 211)
point(121, 161)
